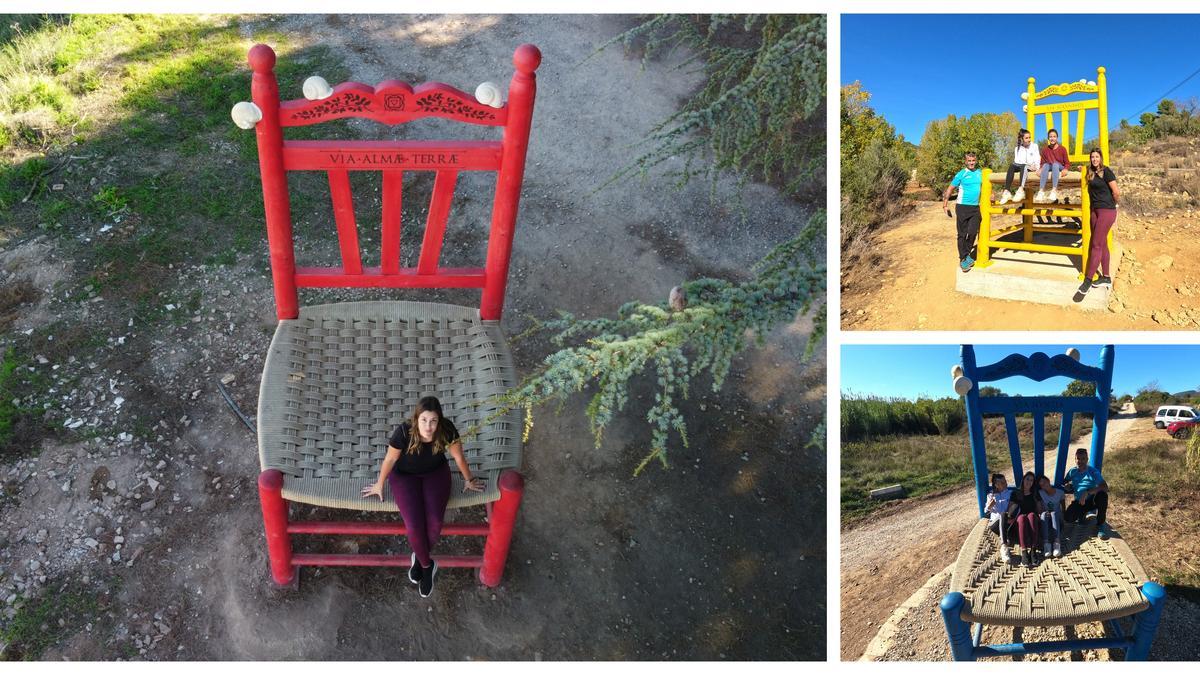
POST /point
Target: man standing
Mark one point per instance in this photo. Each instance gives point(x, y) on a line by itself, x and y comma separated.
point(969, 182)
point(1091, 492)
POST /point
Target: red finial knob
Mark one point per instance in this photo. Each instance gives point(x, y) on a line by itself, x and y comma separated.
point(527, 58)
point(261, 58)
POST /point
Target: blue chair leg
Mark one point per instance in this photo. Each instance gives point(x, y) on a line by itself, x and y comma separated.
point(957, 630)
point(1146, 624)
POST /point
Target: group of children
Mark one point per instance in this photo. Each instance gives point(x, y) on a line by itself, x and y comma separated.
point(1052, 162)
point(1033, 513)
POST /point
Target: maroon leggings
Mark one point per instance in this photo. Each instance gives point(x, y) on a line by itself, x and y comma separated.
point(422, 499)
point(1027, 531)
point(1102, 222)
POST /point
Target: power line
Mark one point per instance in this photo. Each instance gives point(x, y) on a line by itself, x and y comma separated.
point(1168, 93)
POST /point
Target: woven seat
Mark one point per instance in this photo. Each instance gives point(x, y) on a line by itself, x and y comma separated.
point(341, 377)
point(1094, 580)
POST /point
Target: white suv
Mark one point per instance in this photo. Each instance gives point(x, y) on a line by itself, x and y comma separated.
point(1167, 414)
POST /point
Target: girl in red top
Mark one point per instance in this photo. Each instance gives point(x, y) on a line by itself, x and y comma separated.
point(1054, 163)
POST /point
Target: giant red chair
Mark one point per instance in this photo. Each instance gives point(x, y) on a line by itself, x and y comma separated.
point(339, 377)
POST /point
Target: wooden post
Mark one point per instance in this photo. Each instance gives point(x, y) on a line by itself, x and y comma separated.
point(957, 630)
point(985, 219)
point(275, 522)
point(501, 524)
point(521, 92)
point(265, 92)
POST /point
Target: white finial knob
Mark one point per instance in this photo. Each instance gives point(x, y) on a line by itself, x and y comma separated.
point(956, 370)
point(245, 114)
point(1024, 96)
point(1024, 108)
point(316, 88)
point(1082, 80)
point(962, 385)
point(1073, 353)
point(1091, 83)
point(488, 93)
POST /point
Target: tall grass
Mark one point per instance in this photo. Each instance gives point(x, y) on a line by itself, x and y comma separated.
point(873, 416)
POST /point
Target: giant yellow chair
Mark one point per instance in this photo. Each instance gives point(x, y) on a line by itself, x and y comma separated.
point(990, 237)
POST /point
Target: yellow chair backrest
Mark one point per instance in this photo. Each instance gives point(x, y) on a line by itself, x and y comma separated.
point(1072, 141)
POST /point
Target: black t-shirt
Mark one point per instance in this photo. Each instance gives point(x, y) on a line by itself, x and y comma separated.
point(1026, 503)
point(424, 459)
point(1099, 191)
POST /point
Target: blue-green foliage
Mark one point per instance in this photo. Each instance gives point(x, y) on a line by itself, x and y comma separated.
point(677, 345)
point(761, 110)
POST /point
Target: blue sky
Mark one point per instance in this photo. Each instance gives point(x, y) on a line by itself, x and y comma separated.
point(909, 371)
point(920, 68)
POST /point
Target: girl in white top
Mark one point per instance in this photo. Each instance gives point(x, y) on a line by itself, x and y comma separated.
point(1052, 517)
point(999, 508)
point(1026, 159)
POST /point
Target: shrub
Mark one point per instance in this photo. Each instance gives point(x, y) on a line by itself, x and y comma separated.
point(940, 155)
point(875, 165)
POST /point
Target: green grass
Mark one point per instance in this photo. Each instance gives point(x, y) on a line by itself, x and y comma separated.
point(9, 412)
point(36, 625)
point(1155, 474)
point(924, 464)
point(181, 184)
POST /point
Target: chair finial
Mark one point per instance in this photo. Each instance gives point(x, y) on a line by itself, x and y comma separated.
point(261, 58)
point(527, 58)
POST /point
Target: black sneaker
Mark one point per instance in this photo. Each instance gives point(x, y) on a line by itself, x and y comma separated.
point(1103, 282)
point(414, 570)
point(427, 576)
point(1083, 289)
point(1026, 559)
point(1102, 531)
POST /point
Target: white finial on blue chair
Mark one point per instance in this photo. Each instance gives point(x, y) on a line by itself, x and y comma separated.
point(962, 385)
point(1073, 353)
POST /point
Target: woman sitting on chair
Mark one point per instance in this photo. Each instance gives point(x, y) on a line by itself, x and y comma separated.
point(417, 471)
point(999, 512)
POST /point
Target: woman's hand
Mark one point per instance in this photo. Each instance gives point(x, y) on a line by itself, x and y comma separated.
point(473, 485)
point(373, 489)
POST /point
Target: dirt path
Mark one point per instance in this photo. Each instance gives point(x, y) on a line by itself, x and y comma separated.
point(886, 559)
point(717, 557)
point(912, 285)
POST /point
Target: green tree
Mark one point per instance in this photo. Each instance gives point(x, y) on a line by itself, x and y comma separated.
point(760, 114)
point(761, 110)
point(940, 155)
point(1080, 388)
point(875, 164)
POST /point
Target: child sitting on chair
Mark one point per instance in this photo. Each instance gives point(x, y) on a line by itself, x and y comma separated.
point(1052, 517)
point(1029, 511)
point(1054, 163)
point(998, 507)
point(1026, 158)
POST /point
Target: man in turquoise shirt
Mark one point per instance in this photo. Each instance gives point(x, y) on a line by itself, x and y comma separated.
point(968, 181)
point(1091, 492)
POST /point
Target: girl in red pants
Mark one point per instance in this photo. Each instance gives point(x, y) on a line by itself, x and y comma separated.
point(1029, 511)
point(419, 474)
point(1105, 198)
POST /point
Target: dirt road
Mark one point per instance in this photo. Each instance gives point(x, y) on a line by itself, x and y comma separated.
point(912, 285)
point(886, 559)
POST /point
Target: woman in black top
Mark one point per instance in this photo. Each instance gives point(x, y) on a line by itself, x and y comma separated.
point(1105, 198)
point(1029, 509)
point(417, 471)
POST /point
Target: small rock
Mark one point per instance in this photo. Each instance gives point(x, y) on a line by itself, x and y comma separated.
point(146, 506)
point(228, 378)
point(91, 543)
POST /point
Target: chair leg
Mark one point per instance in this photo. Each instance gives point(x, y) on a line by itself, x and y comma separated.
point(1146, 624)
point(957, 630)
point(275, 522)
point(500, 526)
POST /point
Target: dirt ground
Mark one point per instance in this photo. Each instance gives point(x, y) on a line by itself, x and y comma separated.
point(889, 556)
point(909, 282)
point(153, 513)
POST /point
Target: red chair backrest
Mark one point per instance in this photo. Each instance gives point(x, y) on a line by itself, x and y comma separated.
point(392, 102)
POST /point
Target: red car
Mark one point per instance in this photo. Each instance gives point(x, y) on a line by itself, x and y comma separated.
point(1181, 429)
